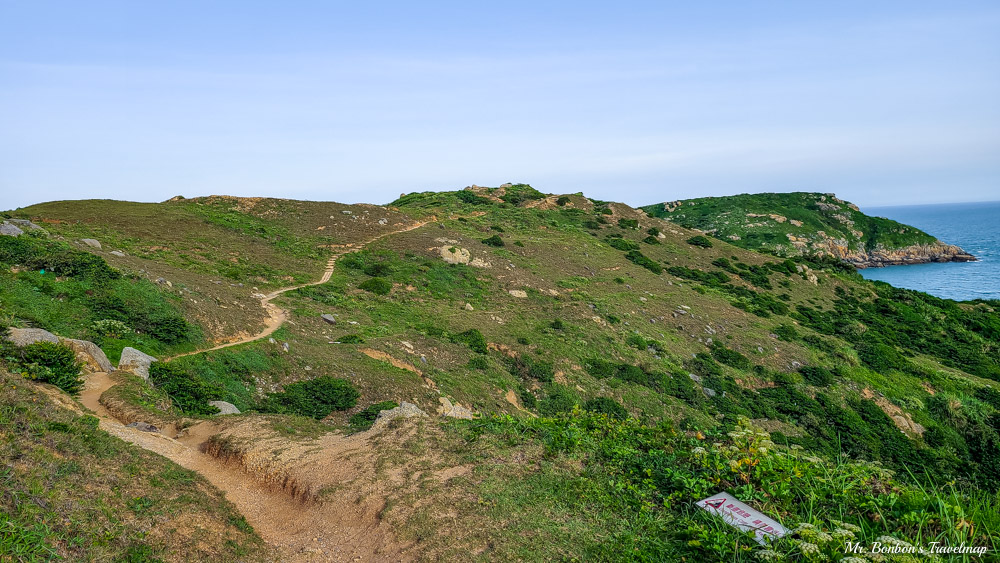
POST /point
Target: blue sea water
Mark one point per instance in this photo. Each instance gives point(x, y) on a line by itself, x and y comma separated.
point(973, 226)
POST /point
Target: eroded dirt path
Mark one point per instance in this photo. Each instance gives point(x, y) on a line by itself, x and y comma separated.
point(335, 530)
point(276, 315)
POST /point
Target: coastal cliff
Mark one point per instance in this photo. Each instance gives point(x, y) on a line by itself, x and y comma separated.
point(803, 223)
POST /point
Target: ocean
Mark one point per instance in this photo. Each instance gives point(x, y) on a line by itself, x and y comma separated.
point(973, 226)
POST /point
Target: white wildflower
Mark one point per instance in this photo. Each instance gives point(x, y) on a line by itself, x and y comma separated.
point(808, 548)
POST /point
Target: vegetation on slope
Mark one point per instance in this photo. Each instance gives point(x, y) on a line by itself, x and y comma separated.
point(790, 224)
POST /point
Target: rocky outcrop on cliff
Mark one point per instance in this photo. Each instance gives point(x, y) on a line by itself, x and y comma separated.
point(881, 256)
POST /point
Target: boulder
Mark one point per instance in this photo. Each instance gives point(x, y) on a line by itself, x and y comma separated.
point(26, 224)
point(10, 230)
point(453, 410)
point(143, 427)
point(404, 410)
point(117, 253)
point(136, 362)
point(93, 243)
point(24, 336)
point(328, 318)
point(519, 293)
point(455, 255)
point(224, 407)
point(90, 354)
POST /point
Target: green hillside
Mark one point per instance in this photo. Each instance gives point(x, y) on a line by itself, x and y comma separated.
point(620, 366)
point(803, 223)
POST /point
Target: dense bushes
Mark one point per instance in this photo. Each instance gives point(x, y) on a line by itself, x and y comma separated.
point(494, 241)
point(316, 398)
point(628, 223)
point(47, 362)
point(188, 392)
point(622, 244)
point(559, 400)
point(526, 367)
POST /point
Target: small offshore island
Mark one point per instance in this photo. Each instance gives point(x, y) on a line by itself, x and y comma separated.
point(809, 224)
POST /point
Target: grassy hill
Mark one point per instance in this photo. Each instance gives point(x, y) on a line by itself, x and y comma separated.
point(802, 223)
point(622, 367)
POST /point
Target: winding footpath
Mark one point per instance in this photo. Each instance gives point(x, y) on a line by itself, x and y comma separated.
point(297, 531)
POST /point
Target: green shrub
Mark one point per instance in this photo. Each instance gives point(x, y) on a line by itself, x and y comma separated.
point(699, 240)
point(518, 243)
point(519, 193)
point(606, 405)
point(731, 358)
point(351, 339)
point(478, 362)
point(51, 363)
point(528, 399)
point(473, 339)
point(315, 398)
point(188, 392)
point(563, 200)
point(557, 324)
point(816, 375)
point(653, 232)
point(364, 419)
point(378, 269)
point(469, 197)
point(628, 223)
point(526, 367)
point(558, 400)
point(378, 286)
point(651, 240)
point(786, 332)
point(494, 240)
point(641, 259)
point(622, 244)
point(592, 225)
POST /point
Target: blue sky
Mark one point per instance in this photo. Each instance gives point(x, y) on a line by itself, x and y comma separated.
point(881, 102)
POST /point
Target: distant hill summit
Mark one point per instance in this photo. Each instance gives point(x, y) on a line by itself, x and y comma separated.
point(805, 223)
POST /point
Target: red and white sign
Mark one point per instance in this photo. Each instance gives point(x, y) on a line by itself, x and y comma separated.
point(742, 517)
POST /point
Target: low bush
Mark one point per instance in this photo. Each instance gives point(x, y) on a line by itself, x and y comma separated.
point(49, 362)
point(563, 200)
point(606, 405)
point(628, 223)
point(559, 400)
point(364, 419)
point(473, 339)
point(699, 240)
point(315, 398)
point(622, 244)
point(494, 240)
point(188, 392)
point(641, 259)
point(378, 286)
point(816, 375)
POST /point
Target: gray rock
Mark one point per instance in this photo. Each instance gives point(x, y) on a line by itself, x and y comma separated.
point(24, 336)
point(136, 362)
point(453, 410)
point(469, 307)
point(90, 354)
point(224, 407)
point(328, 318)
point(284, 346)
point(10, 230)
point(404, 410)
point(695, 378)
point(143, 427)
point(117, 253)
point(708, 392)
point(91, 243)
point(26, 224)
point(383, 221)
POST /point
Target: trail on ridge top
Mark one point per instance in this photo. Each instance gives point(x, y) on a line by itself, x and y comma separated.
point(276, 315)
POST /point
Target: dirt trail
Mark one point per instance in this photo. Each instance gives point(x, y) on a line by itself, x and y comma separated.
point(315, 531)
point(276, 315)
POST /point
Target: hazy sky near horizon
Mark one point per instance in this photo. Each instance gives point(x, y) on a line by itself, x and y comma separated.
point(881, 102)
